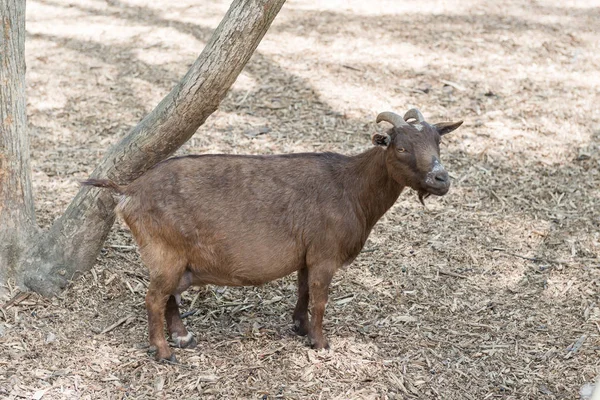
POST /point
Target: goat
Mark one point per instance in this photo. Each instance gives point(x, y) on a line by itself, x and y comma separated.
point(238, 220)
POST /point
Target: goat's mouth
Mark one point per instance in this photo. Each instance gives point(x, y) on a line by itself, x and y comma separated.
point(437, 190)
point(437, 181)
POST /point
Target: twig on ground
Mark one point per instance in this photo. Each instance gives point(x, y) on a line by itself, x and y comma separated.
point(188, 313)
point(454, 85)
point(351, 67)
point(534, 259)
point(121, 247)
point(453, 274)
point(17, 298)
point(113, 326)
point(575, 347)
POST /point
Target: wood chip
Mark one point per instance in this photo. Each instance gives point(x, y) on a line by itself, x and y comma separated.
point(454, 85)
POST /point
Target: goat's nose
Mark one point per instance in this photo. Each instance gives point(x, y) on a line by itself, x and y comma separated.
point(442, 177)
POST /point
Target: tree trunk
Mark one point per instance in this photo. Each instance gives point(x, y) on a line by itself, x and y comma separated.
point(73, 242)
point(17, 216)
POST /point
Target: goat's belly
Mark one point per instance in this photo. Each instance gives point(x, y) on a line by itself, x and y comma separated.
point(242, 275)
point(247, 268)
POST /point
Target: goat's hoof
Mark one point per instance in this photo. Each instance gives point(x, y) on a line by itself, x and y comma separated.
point(300, 328)
point(167, 360)
point(185, 342)
point(152, 350)
point(190, 344)
point(167, 357)
point(320, 344)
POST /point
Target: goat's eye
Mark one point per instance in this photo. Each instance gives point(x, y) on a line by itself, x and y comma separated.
point(401, 150)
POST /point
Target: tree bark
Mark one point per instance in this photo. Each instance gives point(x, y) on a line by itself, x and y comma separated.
point(17, 216)
point(73, 242)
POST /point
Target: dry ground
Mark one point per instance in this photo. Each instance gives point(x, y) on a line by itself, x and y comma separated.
point(489, 292)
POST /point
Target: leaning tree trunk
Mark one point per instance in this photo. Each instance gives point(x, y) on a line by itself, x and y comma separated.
point(17, 217)
point(73, 242)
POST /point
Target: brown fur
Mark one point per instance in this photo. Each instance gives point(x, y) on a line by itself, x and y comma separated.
point(247, 220)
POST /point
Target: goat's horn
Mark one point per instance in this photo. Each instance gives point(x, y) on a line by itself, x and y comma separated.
point(392, 118)
point(414, 113)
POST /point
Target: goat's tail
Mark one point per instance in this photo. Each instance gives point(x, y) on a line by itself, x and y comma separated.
point(104, 183)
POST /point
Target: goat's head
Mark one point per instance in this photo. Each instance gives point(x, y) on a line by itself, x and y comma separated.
point(413, 152)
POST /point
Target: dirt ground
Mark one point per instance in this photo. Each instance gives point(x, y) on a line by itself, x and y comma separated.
point(489, 292)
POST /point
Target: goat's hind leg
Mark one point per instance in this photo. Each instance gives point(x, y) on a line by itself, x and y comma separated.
point(179, 334)
point(156, 301)
point(300, 316)
point(166, 269)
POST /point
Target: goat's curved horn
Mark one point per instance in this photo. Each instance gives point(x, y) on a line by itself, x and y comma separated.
point(392, 118)
point(414, 113)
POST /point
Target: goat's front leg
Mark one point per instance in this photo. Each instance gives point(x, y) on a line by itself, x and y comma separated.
point(301, 325)
point(319, 278)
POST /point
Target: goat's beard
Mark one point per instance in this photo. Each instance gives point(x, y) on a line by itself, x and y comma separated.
point(422, 196)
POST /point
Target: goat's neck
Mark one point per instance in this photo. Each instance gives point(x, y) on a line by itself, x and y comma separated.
point(375, 189)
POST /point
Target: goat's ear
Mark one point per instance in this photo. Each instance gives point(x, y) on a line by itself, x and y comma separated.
point(446, 127)
point(381, 140)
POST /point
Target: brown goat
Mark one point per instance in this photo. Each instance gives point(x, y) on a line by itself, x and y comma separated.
point(246, 220)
